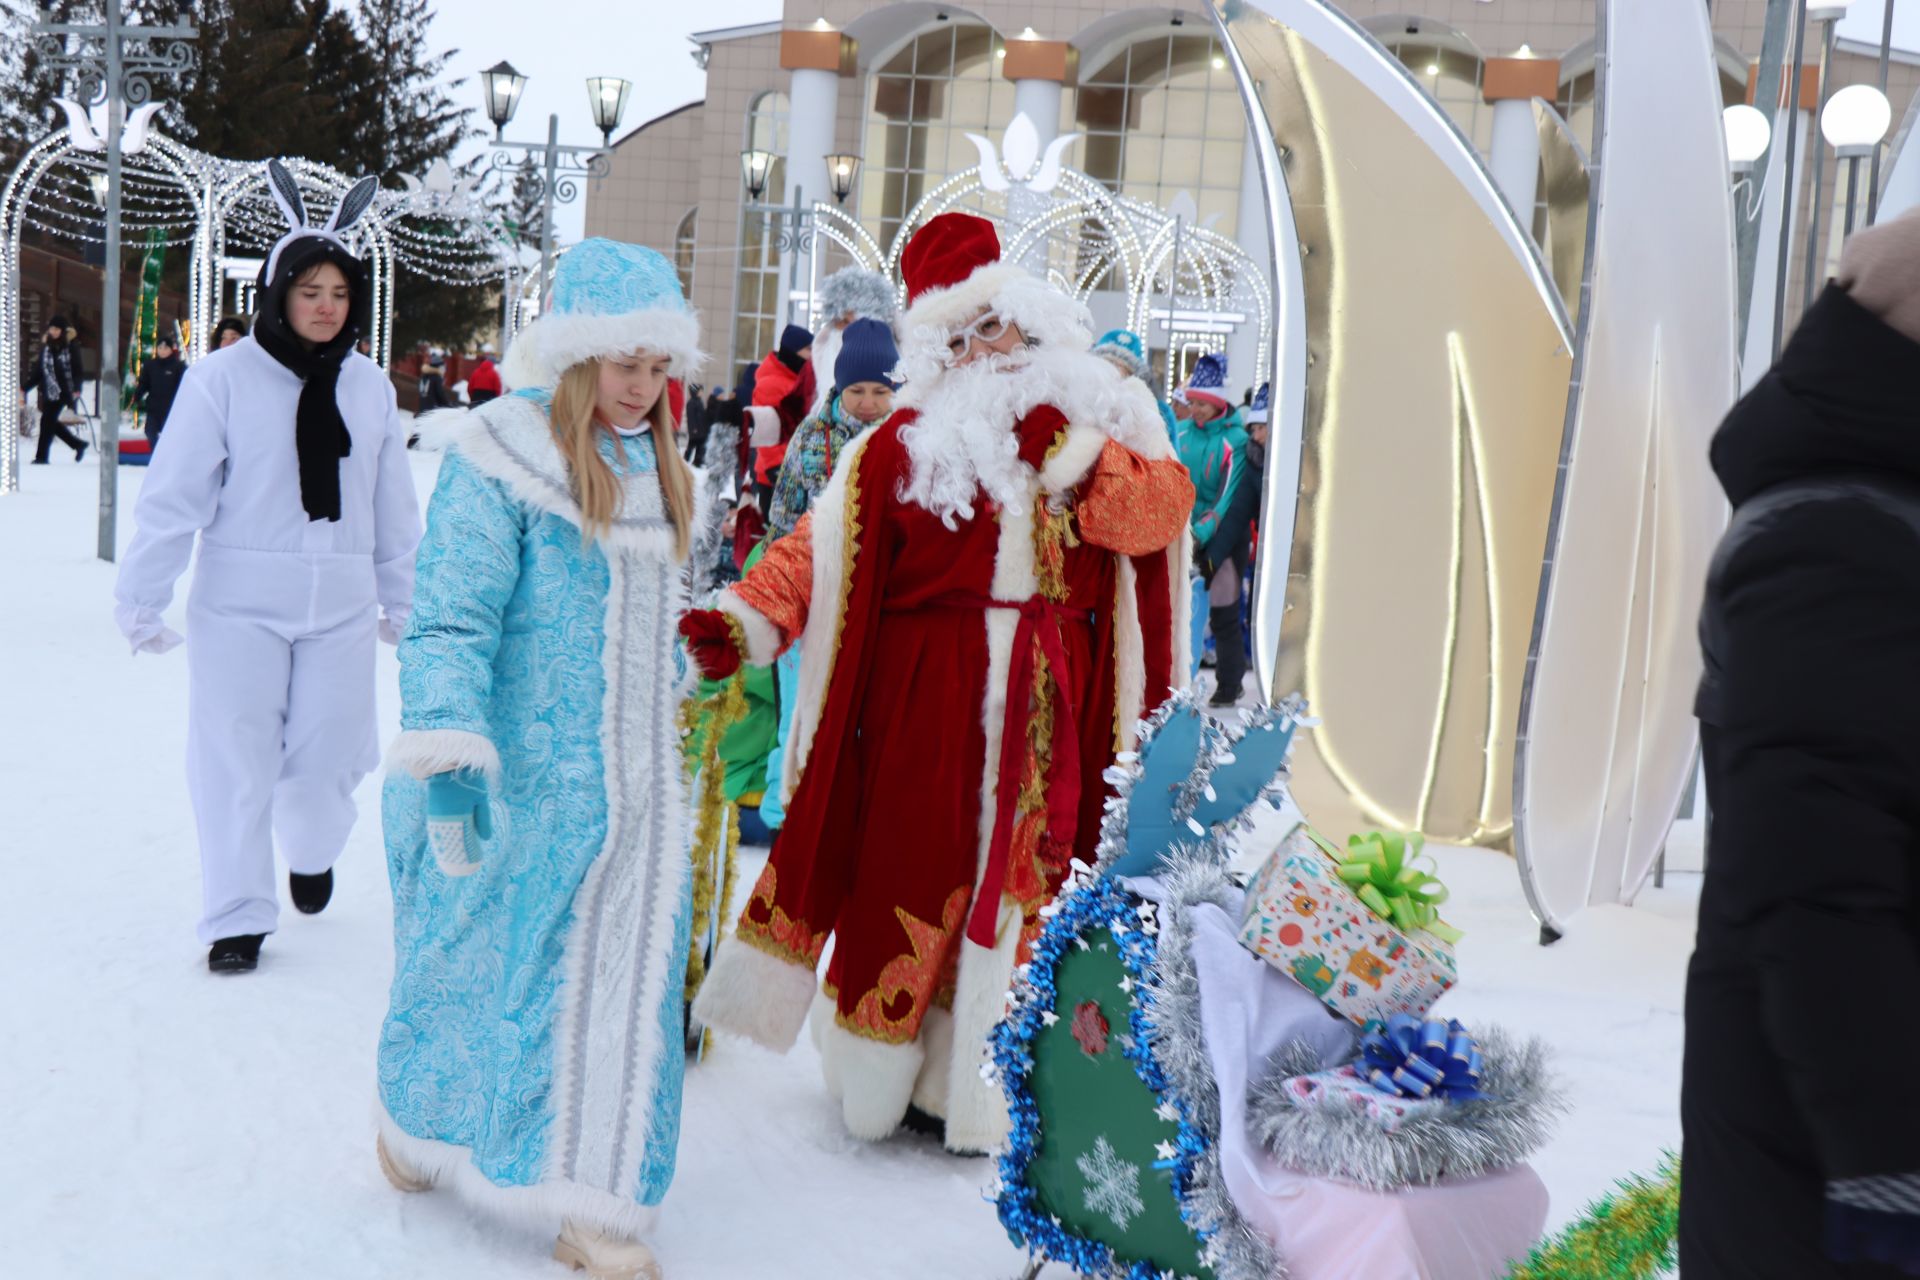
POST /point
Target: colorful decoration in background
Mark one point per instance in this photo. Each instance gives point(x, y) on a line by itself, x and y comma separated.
point(1631, 1233)
point(1304, 919)
point(146, 321)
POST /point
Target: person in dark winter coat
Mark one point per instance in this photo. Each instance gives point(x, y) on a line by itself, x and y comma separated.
point(76, 357)
point(433, 385)
point(1802, 1143)
point(229, 331)
point(49, 373)
point(483, 383)
point(159, 379)
point(697, 429)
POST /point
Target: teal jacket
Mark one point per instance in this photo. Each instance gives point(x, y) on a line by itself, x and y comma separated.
point(1214, 456)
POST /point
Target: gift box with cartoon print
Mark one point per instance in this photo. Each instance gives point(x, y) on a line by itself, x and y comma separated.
point(1305, 919)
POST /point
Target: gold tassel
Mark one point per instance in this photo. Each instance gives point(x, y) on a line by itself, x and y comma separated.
point(714, 819)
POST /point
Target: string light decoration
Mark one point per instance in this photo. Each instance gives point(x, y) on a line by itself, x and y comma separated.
point(180, 198)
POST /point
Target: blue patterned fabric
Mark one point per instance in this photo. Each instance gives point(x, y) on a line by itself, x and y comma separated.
point(600, 277)
point(499, 1013)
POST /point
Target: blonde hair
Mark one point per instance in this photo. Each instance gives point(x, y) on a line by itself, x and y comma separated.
point(596, 489)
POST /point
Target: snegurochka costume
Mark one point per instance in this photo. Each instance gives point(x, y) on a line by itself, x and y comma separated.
point(987, 596)
point(532, 1052)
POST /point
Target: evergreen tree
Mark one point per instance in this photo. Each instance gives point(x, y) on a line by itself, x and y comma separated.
point(520, 203)
point(28, 86)
point(260, 89)
point(400, 118)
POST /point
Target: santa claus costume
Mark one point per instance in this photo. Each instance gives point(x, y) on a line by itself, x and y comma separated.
point(988, 595)
point(288, 461)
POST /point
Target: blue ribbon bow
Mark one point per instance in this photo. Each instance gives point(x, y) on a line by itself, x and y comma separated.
point(1411, 1057)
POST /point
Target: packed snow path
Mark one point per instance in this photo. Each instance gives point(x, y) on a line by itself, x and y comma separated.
point(163, 1122)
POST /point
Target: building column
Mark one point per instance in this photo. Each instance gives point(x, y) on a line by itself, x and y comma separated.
point(1509, 86)
point(1039, 70)
point(815, 61)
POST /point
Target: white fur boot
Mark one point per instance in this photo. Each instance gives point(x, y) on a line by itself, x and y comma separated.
point(603, 1256)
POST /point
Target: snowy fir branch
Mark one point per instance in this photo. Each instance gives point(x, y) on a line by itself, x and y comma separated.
point(1628, 1234)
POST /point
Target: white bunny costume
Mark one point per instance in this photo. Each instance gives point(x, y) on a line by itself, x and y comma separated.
point(307, 518)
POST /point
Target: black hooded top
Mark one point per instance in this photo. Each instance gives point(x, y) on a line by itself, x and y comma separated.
point(320, 435)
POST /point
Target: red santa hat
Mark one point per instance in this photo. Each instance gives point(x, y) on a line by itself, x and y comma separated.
point(952, 270)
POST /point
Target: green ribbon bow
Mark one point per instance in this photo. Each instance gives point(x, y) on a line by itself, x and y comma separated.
point(1379, 868)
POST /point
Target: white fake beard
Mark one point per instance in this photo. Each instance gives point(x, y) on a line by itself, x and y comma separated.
point(963, 439)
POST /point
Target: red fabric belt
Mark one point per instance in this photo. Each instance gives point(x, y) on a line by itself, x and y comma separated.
point(1039, 621)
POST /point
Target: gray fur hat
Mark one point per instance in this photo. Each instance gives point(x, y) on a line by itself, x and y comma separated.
point(865, 293)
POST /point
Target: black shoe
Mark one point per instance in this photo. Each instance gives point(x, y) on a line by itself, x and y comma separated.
point(80, 454)
point(39, 462)
point(311, 893)
point(236, 955)
point(924, 1123)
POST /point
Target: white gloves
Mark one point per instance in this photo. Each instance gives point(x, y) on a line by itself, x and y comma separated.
point(144, 629)
point(392, 627)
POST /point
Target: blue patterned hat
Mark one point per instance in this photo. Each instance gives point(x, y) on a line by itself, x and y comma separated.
point(1208, 382)
point(1257, 411)
point(608, 299)
point(1124, 346)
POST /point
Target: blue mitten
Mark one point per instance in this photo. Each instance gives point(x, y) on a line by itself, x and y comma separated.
point(453, 800)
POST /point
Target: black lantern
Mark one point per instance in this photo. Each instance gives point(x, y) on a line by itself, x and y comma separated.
point(608, 97)
point(841, 172)
point(502, 85)
point(754, 167)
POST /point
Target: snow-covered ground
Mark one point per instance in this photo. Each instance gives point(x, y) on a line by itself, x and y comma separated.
point(156, 1121)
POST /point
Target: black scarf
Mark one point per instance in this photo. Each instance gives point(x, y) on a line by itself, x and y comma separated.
point(320, 435)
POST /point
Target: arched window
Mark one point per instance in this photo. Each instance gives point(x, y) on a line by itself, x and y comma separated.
point(757, 307)
point(1161, 116)
point(683, 239)
point(939, 86)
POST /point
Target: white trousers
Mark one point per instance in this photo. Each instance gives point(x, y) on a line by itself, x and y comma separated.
point(280, 721)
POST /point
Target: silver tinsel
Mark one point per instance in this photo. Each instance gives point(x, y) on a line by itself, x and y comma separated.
point(1442, 1139)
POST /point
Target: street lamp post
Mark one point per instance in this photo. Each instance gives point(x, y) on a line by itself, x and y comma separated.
point(792, 224)
point(561, 166)
point(112, 60)
point(1827, 13)
point(1854, 121)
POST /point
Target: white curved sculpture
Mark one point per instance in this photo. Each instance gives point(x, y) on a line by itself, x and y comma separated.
point(1607, 736)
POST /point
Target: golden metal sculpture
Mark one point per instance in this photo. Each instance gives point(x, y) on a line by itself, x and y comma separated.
point(1401, 597)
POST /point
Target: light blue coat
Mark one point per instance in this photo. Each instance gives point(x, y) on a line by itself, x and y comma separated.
point(534, 1033)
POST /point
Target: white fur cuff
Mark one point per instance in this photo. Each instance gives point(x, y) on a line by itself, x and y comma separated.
point(752, 994)
point(764, 641)
point(425, 752)
point(1074, 458)
point(764, 423)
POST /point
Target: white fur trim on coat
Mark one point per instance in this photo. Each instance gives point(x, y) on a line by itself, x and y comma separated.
point(764, 641)
point(425, 752)
point(752, 994)
point(511, 440)
point(556, 342)
point(1073, 459)
point(544, 1206)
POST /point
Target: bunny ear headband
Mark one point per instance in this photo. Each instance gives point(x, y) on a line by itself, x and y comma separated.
point(286, 194)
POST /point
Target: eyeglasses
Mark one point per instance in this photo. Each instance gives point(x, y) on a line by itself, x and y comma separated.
point(988, 327)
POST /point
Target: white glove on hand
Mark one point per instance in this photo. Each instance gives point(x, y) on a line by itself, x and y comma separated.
point(392, 628)
point(145, 631)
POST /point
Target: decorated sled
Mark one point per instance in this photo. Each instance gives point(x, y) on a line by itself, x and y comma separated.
point(1183, 1106)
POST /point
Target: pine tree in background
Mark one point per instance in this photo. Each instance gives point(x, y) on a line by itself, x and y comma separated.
point(400, 118)
point(27, 86)
point(520, 204)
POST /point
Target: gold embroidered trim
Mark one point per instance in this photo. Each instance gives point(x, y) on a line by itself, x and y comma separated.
point(916, 975)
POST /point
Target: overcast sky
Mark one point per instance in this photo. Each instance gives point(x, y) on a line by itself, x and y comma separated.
point(557, 44)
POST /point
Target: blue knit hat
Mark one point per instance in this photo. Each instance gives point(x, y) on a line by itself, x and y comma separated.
point(867, 354)
point(794, 340)
point(608, 299)
point(1124, 346)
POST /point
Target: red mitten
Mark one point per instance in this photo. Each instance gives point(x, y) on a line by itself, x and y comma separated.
point(1038, 431)
point(711, 642)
